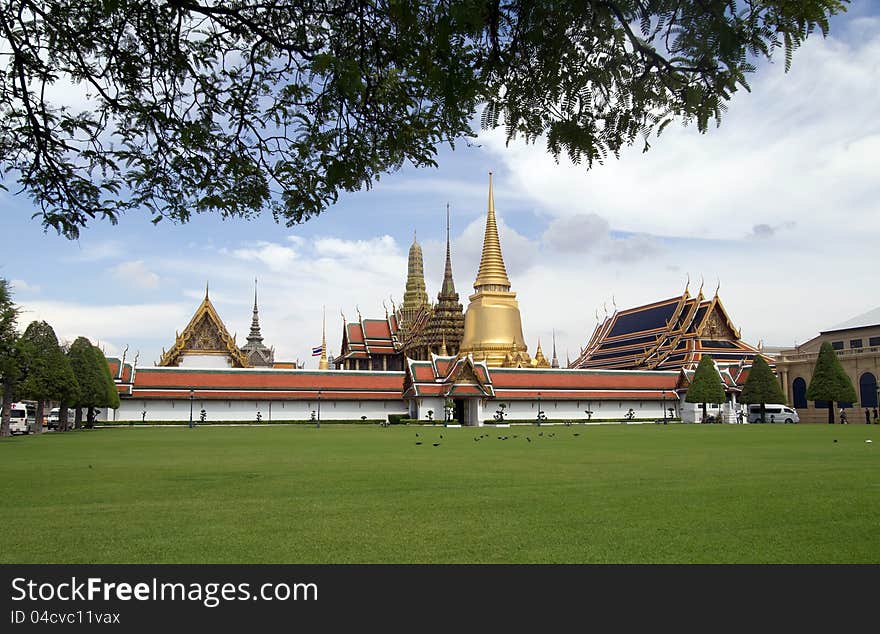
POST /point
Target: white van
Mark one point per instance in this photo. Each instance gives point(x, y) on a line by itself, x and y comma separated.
point(773, 413)
point(18, 419)
point(55, 415)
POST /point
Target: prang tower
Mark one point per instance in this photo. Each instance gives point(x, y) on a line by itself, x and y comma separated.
point(492, 323)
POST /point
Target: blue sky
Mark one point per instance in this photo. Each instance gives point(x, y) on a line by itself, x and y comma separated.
point(779, 205)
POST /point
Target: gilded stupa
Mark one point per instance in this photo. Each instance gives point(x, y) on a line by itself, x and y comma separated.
point(492, 323)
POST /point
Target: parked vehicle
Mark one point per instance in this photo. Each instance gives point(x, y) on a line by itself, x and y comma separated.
point(55, 416)
point(18, 419)
point(773, 413)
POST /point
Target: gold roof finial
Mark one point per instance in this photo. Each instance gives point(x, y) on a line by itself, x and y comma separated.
point(206, 290)
point(492, 270)
point(443, 352)
point(323, 364)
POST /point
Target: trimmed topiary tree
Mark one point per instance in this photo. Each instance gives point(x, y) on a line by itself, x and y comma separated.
point(762, 386)
point(92, 383)
point(706, 386)
point(108, 396)
point(830, 383)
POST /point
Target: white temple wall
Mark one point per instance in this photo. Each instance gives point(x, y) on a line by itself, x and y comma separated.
point(246, 411)
point(576, 410)
point(205, 361)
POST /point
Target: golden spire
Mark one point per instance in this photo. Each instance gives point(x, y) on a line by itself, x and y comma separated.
point(443, 351)
point(492, 323)
point(415, 296)
point(323, 364)
point(492, 273)
point(206, 289)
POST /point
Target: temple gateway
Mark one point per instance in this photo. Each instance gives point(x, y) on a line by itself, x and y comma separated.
point(439, 362)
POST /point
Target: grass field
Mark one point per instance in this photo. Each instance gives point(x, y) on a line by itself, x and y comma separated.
point(647, 493)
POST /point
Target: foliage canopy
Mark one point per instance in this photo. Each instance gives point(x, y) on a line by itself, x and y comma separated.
point(830, 382)
point(239, 106)
point(762, 386)
point(706, 386)
point(47, 372)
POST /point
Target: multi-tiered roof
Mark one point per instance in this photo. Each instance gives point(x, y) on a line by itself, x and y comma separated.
point(670, 334)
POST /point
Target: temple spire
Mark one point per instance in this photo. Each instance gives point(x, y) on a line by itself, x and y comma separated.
point(554, 362)
point(323, 364)
point(492, 271)
point(206, 290)
point(448, 287)
point(255, 335)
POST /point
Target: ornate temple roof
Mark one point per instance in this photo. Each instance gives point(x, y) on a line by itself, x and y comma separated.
point(462, 376)
point(668, 334)
point(205, 334)
point(366, 336)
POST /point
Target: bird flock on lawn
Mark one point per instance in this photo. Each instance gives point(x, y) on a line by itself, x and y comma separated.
point(485, 436)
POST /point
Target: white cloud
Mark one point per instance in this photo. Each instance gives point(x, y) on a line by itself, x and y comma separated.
point(20, 286)
point(137, 274)
point(273, 256)
point(145, 326)
point(108, 249)
point(802, 147)
point(573, 234)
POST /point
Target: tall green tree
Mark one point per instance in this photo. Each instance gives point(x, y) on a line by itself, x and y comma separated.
point(830, 383)
point(10, 361)
point(762, 386)
point(253, 105)
point(47, 372)
point(106, 394)
point(89, 376)
point(706, 386)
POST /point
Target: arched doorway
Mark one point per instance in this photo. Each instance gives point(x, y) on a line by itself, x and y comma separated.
point(799, 393)
point(868, 390)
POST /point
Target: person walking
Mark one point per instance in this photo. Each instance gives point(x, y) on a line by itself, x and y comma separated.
point(867, 416)
point(843, 420)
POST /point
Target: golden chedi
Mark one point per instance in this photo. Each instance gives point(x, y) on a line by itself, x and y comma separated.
point(492, 323)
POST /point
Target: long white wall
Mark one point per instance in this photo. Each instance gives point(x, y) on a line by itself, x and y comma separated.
point(179, 410)
point(479, 410)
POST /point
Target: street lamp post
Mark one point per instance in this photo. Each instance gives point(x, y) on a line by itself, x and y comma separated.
point(539, 409)
point(192, 394)
point(319, 410)
point(664, 407)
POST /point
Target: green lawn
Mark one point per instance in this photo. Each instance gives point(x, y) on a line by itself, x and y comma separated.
point(646, 493)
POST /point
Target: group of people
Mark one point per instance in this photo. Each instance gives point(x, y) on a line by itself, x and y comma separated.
point(869, 416)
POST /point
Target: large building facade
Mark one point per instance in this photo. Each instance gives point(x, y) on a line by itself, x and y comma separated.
point(857, 345)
